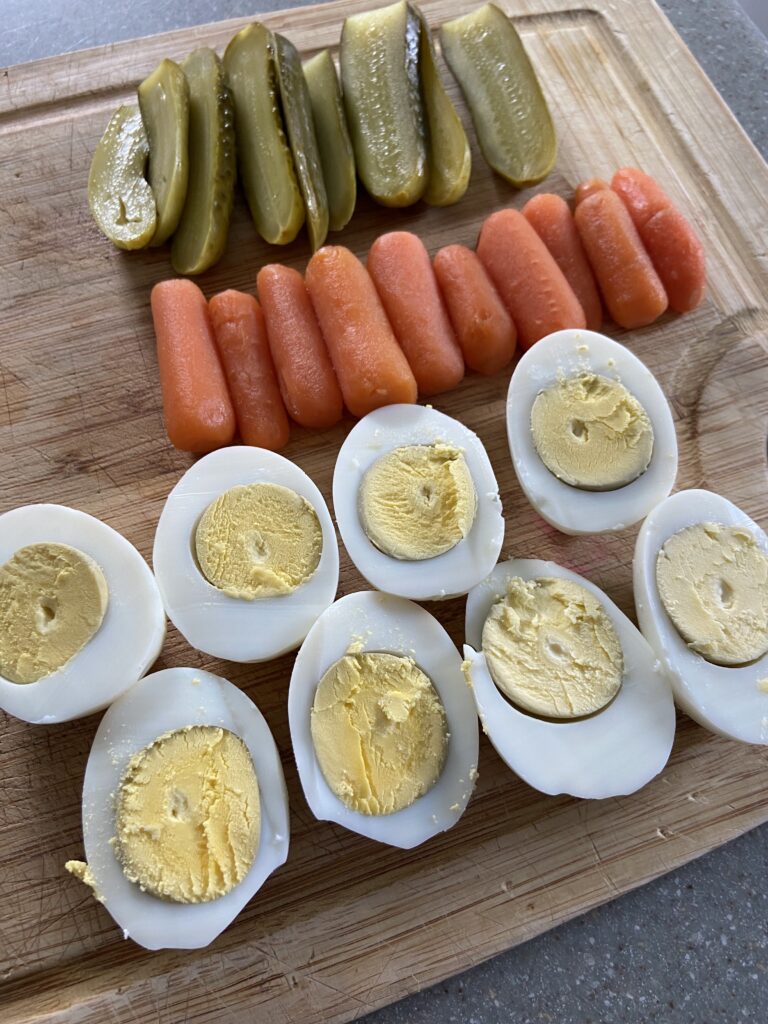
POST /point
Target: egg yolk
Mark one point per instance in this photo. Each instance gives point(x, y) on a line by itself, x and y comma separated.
point(188, 815)
point(713, 582)
point(418, 501)
point(552, 649)
point(258, 540)
point(591, 433)
point(379, 731)
point(53, 599)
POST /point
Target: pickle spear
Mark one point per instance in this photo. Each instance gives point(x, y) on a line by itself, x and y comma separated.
point(266, 165)
point(202, 232)
point(385, 114)
point(164, 105)
point(297, 111)
point(336, 155)
point(119, 195)
point(450, 162)
point(511, 116)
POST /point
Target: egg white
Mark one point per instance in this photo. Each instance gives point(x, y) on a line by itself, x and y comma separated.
point(612, 753)
point(126, 643)
point(372, 621)
point(455, 571)
point(726, 700)
point(229, 627)
point(571, 509)
point(165, 701)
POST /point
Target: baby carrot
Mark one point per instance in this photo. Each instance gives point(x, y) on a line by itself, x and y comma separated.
point(551, 219)
point(587, 188)
point(196, 404)
point(402, 272)
point(530, 283)
point(673, 245)
point(241, 338)
point(307, 382)
point(631, 287)
point(370, 365)
point(678, 256)
point(484, 328)
point(641, 194)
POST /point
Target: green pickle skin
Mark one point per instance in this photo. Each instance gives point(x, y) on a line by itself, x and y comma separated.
point(202, 232)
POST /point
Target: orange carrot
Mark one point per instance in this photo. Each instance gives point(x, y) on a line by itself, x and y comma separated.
point(307, 382)
point(673, 245)
point(678, 257)
point(370, 365)
point(196, 404)
point(241, 338)
point(484, 328)
point(641, 194)
point(631, 287)
point(402, 272)
point(588, 188)
point(530, 283)
point(551, 219)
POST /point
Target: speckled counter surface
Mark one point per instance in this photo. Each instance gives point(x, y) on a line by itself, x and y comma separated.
point(692, 947)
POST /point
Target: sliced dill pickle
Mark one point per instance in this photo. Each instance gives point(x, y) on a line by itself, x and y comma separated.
point(450, 162)
point(297, 111)
point(164, 105)
point(382, 96)
point(512, 120)
point(336, 155)
point(202, 232)
point(266, 166)
point(119, 195)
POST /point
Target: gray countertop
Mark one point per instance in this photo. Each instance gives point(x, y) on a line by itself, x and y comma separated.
point(692, 947)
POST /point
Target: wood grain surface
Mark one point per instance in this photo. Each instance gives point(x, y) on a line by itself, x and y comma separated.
point(347, 925)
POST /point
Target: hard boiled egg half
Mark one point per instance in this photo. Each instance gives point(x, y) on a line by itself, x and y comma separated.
point(701, 592)
point(80, 614)
point(417, 503)
point(185, 810)
point(590, 433)
point(245, 554)
point(593, 714)
point(383, 727)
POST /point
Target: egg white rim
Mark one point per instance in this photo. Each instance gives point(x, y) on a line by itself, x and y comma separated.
point(571, 509)
point(455, 571)
point(161, 703)
point(210, 620)
point(382, 622)
point(597, 757)
point(697, 683)
point(93, 677)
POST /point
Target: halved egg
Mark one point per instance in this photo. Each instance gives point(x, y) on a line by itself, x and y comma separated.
point(383, 726)
point(590, 433)
point(80, 614)
point(417, 503)
point(166, 825)
point(614, 750)
point(245, 554)
point(701, 592)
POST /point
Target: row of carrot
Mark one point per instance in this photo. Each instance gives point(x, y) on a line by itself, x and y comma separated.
point(364, 337)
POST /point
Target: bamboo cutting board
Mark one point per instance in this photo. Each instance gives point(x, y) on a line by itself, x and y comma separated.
point(346, 925)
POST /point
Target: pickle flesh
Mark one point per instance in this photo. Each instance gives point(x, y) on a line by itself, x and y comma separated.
point(120, 198)
point(267, 171)
point(511, 117)
point(382, 96)
point(450, 162)
point(297, 112)
point(336, 155)
point(202, 232)
point(164, 105)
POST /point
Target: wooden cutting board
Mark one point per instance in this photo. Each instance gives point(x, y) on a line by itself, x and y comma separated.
point(347, 925)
